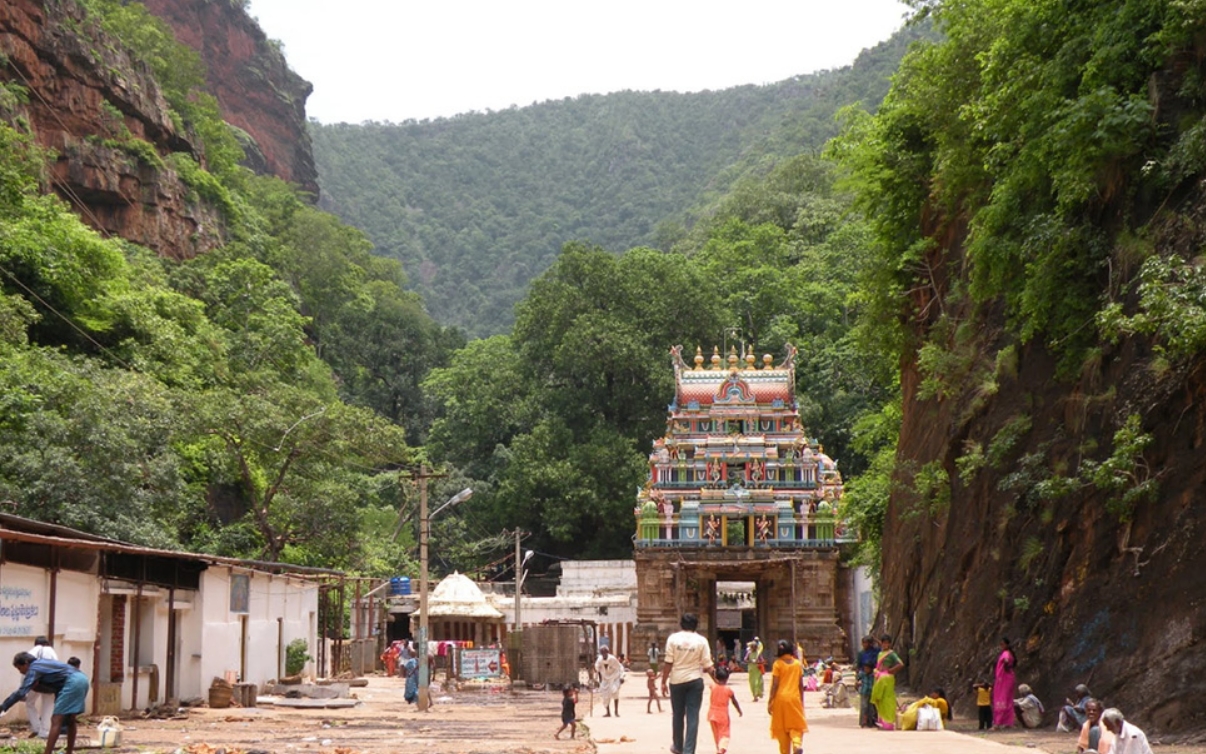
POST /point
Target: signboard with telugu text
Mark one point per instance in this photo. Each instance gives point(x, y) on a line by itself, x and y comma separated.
point(481, 663)
point(19, 613)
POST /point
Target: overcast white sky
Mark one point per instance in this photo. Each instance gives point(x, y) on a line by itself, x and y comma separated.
point(399, 59)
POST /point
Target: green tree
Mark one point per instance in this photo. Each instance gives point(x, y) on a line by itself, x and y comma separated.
point(573, 488)
point(89, 447)
point(294, 459)
point(485, 402)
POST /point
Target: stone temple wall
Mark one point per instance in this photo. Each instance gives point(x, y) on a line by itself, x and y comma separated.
point(673, 581)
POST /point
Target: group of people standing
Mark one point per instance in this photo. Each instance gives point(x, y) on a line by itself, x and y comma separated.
point(53, 691)
point(878, 665)
point(688, 658)
point(684, 663)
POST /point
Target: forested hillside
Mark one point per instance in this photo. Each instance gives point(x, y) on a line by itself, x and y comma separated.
point(257, 400)
point(555, 420)
point(478, 205)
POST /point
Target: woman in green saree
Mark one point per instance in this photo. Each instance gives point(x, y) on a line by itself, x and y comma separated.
point(883, 693)
point(753, 664)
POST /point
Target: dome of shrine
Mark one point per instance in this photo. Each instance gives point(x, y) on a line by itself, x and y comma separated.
point(457, 595)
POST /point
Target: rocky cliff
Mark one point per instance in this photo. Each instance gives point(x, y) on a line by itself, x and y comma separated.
point(109, 126)
point(257, 91)
point(107, 123)
point(1084, 597)
point(994, 528)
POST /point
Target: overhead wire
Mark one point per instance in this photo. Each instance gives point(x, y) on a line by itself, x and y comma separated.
point(62, 185)
point(65, 318)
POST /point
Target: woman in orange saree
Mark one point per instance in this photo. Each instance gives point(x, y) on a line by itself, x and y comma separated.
point(786, 701)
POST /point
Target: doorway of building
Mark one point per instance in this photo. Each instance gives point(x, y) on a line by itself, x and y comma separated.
point(398, 627)
point(736, 618)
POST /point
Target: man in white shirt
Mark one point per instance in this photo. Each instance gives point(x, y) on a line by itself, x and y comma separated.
point(686, 659)
point(39, 706)
point(611, 675)
point(1128, 739)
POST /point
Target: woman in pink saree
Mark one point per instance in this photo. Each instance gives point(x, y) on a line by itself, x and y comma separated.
point(1003, 687)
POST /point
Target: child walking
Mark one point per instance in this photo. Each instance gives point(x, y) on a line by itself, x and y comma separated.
point(984, 703)
point(867, 715)
point(718, 709)
point(651, 678)
point(569, 717)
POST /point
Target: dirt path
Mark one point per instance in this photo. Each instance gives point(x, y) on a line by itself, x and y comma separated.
point(465, 723)
point(830, 730)
point(523, 723)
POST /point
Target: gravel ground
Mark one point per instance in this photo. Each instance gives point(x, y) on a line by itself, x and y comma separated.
point(461, 723)
point(490, 722)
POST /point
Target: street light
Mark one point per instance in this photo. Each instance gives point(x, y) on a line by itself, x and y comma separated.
point(520, 572)
point(424, 533)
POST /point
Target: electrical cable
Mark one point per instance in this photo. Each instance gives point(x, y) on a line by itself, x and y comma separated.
point(66, 319)
point(62, 185)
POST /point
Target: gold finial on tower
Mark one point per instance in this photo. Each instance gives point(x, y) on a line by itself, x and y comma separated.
point(716, 357)
point(749, 360)
point(733, 357)
point(767, 361)
point(699, 359)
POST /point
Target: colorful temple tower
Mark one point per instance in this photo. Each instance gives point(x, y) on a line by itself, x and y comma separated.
point(737, 492)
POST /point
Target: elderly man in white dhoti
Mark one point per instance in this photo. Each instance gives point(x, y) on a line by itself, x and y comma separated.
point(611, 675)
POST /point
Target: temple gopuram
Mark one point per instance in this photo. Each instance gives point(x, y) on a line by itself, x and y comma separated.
point(740, 500)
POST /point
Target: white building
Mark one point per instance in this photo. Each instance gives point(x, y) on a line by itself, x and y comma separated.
point(601, 591)
point(149, 625)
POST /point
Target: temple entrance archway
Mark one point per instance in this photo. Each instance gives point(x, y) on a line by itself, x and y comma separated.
point(798, 597)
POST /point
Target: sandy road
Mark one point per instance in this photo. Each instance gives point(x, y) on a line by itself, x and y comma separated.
point(466, 723)
point(830, 730)
point(523, 723)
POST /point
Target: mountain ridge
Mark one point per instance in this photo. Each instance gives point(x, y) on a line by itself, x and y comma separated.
point(477, 205)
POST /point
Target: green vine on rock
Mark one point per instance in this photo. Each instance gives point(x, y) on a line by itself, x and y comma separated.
point(1126, 474)
point(1171, 309)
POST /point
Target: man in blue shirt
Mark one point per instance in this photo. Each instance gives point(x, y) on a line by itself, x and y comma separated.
point(69, 686)
point(868, 657)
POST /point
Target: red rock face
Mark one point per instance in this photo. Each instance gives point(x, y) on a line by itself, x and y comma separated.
point(83, 91)
point(1085, 596)
point(254, 85)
